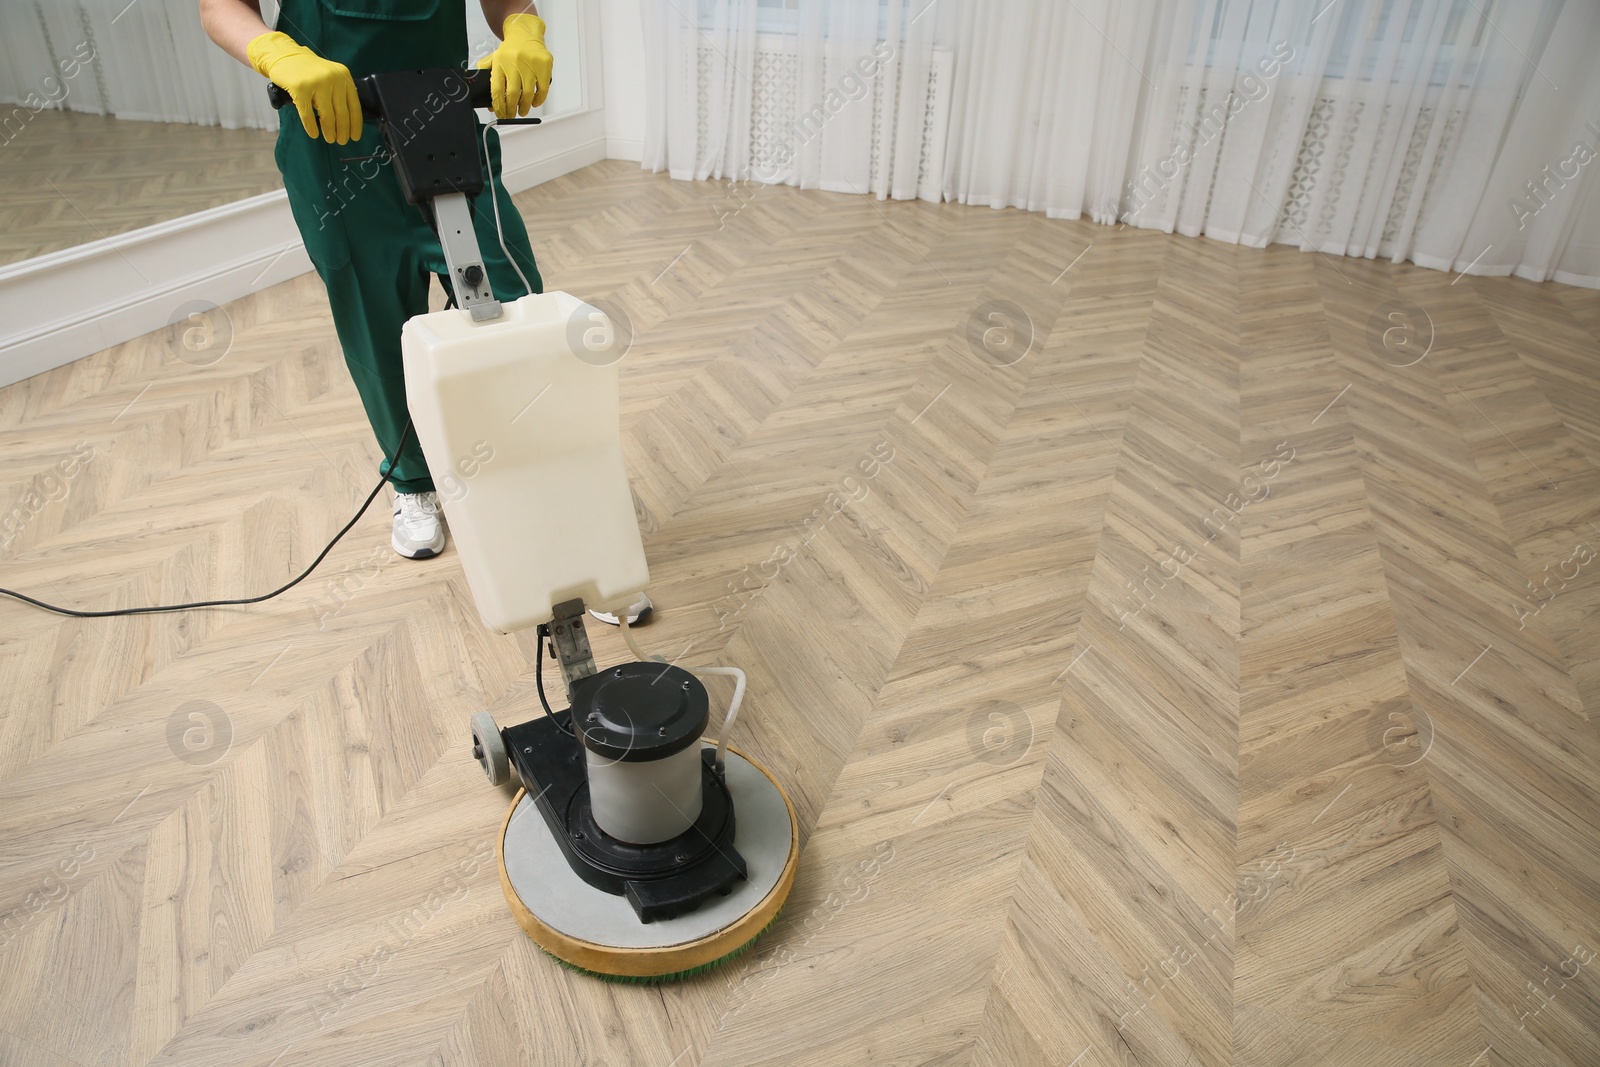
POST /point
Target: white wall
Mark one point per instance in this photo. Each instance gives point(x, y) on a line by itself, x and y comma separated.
point(622, 61)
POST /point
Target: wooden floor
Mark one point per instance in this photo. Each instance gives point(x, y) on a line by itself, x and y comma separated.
point(1213, 680)
point(68, 178)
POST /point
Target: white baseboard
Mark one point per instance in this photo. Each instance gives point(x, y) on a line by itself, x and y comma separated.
point(625, 148)
point(59, 307)
point(526, 174)
point(63, 306)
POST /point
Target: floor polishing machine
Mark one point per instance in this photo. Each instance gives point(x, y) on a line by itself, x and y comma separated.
point(635, 848)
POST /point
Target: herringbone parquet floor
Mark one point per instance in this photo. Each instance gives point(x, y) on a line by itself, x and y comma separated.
point(1177, 654)
point(68, 178)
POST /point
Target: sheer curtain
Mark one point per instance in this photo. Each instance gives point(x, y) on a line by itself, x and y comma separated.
point(1394, 128)
point(1360, 127)
point(147, 60)
point(828, 94)
point(1046, 101)
point(1540, 217)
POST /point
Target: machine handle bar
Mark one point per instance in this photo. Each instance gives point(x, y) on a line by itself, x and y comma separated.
point(478, 95)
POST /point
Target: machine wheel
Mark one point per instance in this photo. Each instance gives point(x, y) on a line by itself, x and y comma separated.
point(489, 749)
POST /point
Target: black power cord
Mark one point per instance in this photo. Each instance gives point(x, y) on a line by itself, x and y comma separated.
point(159, 608)
point(542, 634)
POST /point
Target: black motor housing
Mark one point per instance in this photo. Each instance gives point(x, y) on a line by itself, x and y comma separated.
point(637, 711)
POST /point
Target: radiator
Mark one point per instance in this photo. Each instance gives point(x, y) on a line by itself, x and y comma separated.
point(1316, 164)
point(774, 107)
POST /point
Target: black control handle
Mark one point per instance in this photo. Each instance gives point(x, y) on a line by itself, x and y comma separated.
point(478, 95)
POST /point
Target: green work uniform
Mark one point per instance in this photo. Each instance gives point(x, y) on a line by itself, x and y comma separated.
point(374, 250)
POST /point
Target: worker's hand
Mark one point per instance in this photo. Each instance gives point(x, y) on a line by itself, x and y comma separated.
point(322, 89)
point(520, 67)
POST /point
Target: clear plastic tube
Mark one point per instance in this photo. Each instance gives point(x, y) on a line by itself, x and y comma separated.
point(495, 202)
point(733, 672)
point(733, 705)
point(633, 645)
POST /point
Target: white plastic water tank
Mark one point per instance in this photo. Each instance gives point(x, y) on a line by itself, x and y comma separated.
point(520, 428)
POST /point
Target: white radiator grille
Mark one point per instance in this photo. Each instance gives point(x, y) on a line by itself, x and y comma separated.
point(1312, 168)
point(774, 109)
point(1317, 165)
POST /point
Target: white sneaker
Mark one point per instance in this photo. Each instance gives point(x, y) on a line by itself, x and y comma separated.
point(418, 526)
point(640, 609)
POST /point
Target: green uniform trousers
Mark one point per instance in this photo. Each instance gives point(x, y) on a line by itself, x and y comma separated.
point(374, 251)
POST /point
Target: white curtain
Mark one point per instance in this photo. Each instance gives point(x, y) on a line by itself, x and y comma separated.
point(1368, 131)
point(1539, 218)
point(828, 94)
point(1046, 99)
point(147, 60)
point(1402, 129)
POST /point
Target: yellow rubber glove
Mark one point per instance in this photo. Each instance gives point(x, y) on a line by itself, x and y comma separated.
point(521, 67)
point(321, 88)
